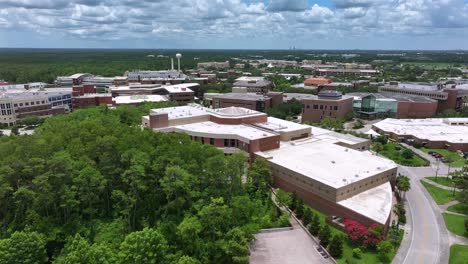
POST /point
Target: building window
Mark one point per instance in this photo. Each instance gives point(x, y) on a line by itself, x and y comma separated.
point(321, 107)
point(212, 141)
point(226, 142)
point(233, 143)
point(335, 108)
point(315, 106)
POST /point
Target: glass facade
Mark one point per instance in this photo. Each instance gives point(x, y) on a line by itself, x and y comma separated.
point(369, 107)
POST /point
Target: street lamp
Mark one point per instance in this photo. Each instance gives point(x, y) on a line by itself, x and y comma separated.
point(437, 170)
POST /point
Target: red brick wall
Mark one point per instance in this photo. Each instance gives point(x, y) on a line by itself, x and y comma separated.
point(159, 120)
point(269, 143)
point(452, 101)
point(316, 115)
point(416, 109)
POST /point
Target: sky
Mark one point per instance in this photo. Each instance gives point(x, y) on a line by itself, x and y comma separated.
point(235, 24)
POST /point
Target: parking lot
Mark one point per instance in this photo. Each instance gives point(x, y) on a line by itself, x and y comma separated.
point(285, 247)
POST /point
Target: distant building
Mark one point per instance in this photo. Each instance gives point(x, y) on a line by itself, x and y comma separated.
point(22, 100)
point(217, 65)
point(448, 98)
point(327, 103)
point(253, 84)
point(138, 99)
point(251, 101)
point(156, 77)
point(183, 93)
point(316, 81)
point(346, 72)
point(86, 96)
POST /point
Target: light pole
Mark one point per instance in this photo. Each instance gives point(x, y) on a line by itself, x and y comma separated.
point(437, 170)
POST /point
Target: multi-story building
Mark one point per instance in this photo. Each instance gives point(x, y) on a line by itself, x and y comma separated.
point(251, 101)
point(156, 77)
point(213, 64)
point(327, 103)
point(328, 171)
point(346, 72)
point(85, 78)
point(86, 96)
point(16, 104)
point(253, 84)
point(448, 98)
point(182, 93)
point(316, 81)
point(385, 105)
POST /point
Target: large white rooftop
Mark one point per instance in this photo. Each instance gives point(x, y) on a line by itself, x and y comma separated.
point(194, 110)
point(375, 203)
point(134, 99)
point(326, 162)
point(214, 130)
point(432, 129)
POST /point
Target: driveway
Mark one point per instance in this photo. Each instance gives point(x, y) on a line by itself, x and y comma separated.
point(427, 241)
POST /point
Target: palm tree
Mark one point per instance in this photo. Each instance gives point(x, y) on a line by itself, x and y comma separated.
point(403, 184)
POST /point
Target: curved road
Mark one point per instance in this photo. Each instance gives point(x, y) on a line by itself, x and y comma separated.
point(427, 241)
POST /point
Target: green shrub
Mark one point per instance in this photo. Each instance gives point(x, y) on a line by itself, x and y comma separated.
point(357, 253)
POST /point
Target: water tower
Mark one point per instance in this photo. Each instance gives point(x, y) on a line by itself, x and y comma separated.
point(178, 56)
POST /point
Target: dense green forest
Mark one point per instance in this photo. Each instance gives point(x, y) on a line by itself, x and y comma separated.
point(94, 187)
point(30, 65)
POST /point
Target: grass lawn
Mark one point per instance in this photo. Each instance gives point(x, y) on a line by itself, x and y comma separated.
point(458, 208)
point(458, 254)
point(368, 256)
point(439, 195)
point(442, 180)
point(455, 224)
point(391, 151)
point(457, 160)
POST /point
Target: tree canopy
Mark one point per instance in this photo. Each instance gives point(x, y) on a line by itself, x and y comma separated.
point(94, 187)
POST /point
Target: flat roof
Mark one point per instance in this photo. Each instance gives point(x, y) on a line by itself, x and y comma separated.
point(216, 130)
point(375, 203)
point(280, 125)
point(139, 99)
point(194, 110)
point(243, 96)
point(431, 129)
point(326, 162)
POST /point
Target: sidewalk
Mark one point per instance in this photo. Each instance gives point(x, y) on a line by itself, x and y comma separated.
point(439, 185)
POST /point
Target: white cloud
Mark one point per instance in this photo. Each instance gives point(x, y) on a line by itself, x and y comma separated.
point(234, 21)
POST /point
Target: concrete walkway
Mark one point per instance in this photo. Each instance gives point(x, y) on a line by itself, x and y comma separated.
point(443, 207)
point(440, 185)
point(455, 213)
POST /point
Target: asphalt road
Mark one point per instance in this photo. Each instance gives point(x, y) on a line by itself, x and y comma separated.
point(427, 241)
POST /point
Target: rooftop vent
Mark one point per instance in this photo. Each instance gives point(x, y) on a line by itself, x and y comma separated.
point(333, 161)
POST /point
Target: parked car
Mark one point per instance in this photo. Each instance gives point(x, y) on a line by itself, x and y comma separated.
point(438, 156)
point(431, 153)
point(445, 160)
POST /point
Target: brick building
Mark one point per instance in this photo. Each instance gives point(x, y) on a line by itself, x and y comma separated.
point(327, 103)
point(448, 98)
point(327, 170)
point(85, 96)
point(251, 101)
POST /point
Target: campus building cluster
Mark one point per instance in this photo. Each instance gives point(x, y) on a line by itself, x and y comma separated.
point(332, 172)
